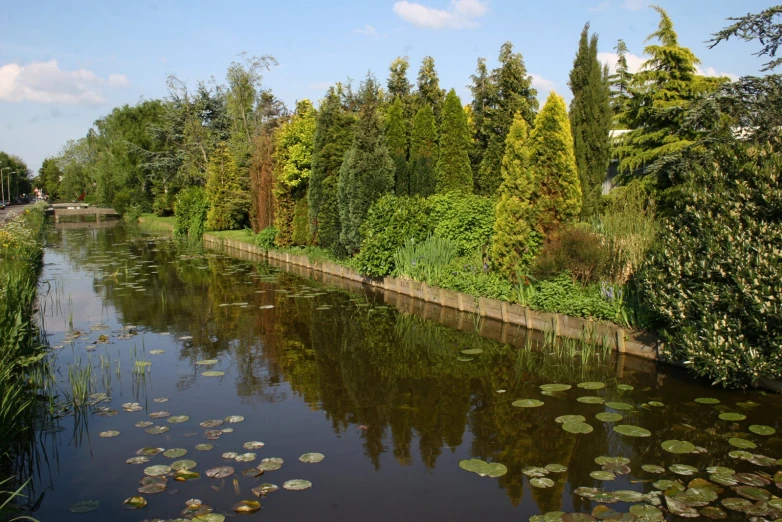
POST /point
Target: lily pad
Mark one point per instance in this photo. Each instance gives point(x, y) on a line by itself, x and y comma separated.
point(577, 427)
point(751, 479)
point(617, 465)
point(683, 469)
point(135, 502)
point(253, 445)
point(84, 506)
point(646, 513)
point(625, 387)
point(211, 424)
point(556, 468)
point(132, 407)
point(270, 464)
point(651, 468)
point(672, 486)
point(247, 506)
point(713, 513)
point(762, 430)
point(159, 415)
point(207, 362)
point(157, 352)
point(483, 469)
point(591, 399)
point(297, 484)
point(185, 475)
point(570, 418)
point(656, 404)
point(736, 504)
point(678, 446)
point(246, 457)
point(157, 471)
point(143, 424)
point(707, 400)
point(312, 458)
point(213, 373)
point(220, 472)
point(178, 419)
point(627, 495)
point(753, 493)
point(731, 416)
point(252, 472)
point(137, 460)
point(230, 455)
point(619, 406)
point(157, 430)
point(742, 443)
point(233, 419)
point(591, 385)
point(109, 434)
point(541, 482)
point(149, 452)
point(555, 387)
point(472, 351)
point(204, 447)
point(265, 489)
point(527, 403)
point(602, 475)
point(183, 464)
point(607, 416)
point(632, 431)
point(175, 453)
point(151, 489)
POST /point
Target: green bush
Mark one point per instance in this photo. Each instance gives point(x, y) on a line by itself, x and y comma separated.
point(464, 218)
point(190, 212)
point(713, 278)
point(473, 279)
point(576, 249)
point(424, 260)
point(265, 238)
point(563, 295)
point(390, 222)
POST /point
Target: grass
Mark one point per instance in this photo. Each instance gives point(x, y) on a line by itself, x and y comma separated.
point(155, 222)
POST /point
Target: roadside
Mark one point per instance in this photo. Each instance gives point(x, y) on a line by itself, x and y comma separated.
point(8, 213)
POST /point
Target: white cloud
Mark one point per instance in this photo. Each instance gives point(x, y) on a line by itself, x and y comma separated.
point(633, 5)
point(602, 6)
point(711, 71)
point(460, 14)
point(634, 62)
point(542, 84)
point(367, 30)
point(45, 82)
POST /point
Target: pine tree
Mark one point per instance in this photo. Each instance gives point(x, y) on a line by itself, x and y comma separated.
point(429, 91)
point(558, 198)
point(398, 84)
point(512, 93)
point(333, 136)
point(229, 200)
point(620, 81)
point(367, 171)
point(483, 96)
point(590, 121)
point(423, 152)
point(453, 172)
point(515, 241)
point(397, 136)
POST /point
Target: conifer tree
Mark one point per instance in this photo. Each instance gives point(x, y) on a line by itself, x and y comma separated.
point(429, 91)
point(229, 200)
point(333, 136)
point(396, 134)
point(620, 81)
point(453, 172)
point(511, 93)
point(483, 97)
point(423, 152)
point(368, 170)
point(590, 121)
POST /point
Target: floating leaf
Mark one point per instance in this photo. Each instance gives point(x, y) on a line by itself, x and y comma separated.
point(84, 506)
point(464, 359)
point(624, 387)
point(213, 374)
point(246, 457)
point(484, 469)
point(632, 431)
point(751, 479)
point(270, 464)
point(252, 472)
point(678, 446)
point(570, 418)
point(151, 489)
point(157, 471)
point(752, 492)
point(135, 502)
point(555, 387)
point(211, 424)
point(178, 419)
point(472, 351)
point(656, 404)
point(157, 430)
point(601, 512)
point(160, 415)
point(761, 460)
point(595, 494)
point(227, 430)
point(253, 445)
point(602, 475)
point(183, 464)
point(144, 424)
point(132, 407)
point(230, 455)
point(714, 513)
point(683, 469)
point(297, 485)
point(762, 430)
point(735, 417)
point(556, 468)
point(707, 400)
point(265, 489)
point(627, 495)
point(137, 460)
point(184, 475)
point(160, 399)
point(646, 513)
point(742, 443)
point(577, 427)
point(234, 419)
point(157, 352)
point(213, 434)
point(527, 403)
point(608, 417)
point(616, 465)
point(651, 468)
point(207, 362)
point(591, 385)
point(149, 452)
point(175, 453)
point(247, 506)
point(541, 482)
point(672, 486)
point(220, 472)
point(147, 480)
point(736, 504)
point(551, 516)
point(204, 447)
point(619, 406)
point(312, 458)
point(109, 434)
point(591, 399)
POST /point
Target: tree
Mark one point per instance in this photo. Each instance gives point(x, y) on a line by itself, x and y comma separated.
point(453, 173)
point(16, 174)
point(399, 86)
point(483, 97)
point(429, 91)
point(227, 192)
point(333, 137)
point(558, 190)
point(511, 93)
point(590, 121)
point(763, 27)
point(620, 81)
point(397, 136)
point(272, 114)
point(368, 170)
point(423, 152)
point(515, 240)
point(49, 176)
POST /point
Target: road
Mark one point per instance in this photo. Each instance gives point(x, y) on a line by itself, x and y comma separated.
point(11, 211)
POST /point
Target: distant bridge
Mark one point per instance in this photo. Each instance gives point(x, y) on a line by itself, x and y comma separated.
point(67, 210)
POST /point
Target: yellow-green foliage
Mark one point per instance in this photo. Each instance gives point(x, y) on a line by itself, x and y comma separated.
point(301, 225)
point(229, 201)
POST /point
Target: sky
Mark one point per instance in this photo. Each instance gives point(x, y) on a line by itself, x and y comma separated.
point(63, 65)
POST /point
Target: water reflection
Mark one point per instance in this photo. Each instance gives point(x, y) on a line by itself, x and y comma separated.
point(398, 384)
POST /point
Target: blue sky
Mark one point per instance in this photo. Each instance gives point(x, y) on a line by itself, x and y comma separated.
point(65, 64)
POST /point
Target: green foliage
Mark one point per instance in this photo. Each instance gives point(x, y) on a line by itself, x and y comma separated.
point(590, 121)
point(390, 223)
point(763, 26)
point(227, 193)
point(562, 295)
point(423, 153)
point(429, 93)
point(620, 81)
point(266, 238)
point(301, 224)
point(329, 226)
point(453, 172)
point(577, 250)
point(509, 92)
point(284, 209)
point(425, 260)
point(192, 206)
point(293, 148)
point(465, 219)
point(48, 178)
point(471, 278)
point(713, 277)
point(397, 135)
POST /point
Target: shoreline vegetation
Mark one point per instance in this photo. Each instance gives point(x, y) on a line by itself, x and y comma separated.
point(651, 200)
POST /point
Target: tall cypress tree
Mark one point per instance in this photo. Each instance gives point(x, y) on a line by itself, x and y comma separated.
point(620, 81)
point(333, 136)
point(453, 172)
point(511, 93)
point(396, 134)
point(368, 170)
point(423, 153)
point(590, 121)
point(429, 91)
